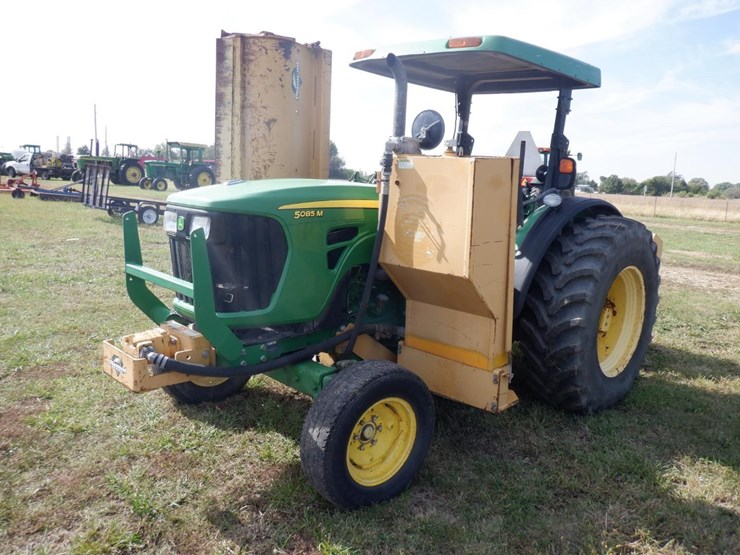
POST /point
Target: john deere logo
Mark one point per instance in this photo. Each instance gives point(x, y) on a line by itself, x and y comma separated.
point(180, 223)
point(296, 80)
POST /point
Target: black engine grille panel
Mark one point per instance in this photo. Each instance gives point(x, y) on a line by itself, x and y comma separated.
point(247, 256)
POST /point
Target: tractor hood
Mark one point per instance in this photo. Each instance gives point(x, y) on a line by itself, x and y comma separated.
point(271, 196)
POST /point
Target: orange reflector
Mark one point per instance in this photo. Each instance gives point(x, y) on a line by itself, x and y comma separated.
point(464, 42)
point(364, 54)
point(566, 165)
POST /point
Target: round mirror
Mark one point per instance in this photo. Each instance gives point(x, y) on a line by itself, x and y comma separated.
point(429, 129)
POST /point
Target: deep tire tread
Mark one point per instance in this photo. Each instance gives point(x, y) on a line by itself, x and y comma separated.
point(324, 436)
point(557, 327)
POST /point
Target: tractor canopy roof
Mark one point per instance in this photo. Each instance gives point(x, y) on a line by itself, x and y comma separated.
point(483, 64)
point(180, 144)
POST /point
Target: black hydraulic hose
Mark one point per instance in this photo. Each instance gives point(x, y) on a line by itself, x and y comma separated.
point(167, 364)
point(399, 128)
point(372, 269)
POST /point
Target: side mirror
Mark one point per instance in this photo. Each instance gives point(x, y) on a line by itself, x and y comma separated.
point(541, 173)
point(429, 129)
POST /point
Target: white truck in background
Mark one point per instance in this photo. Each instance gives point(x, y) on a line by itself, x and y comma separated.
point(47, 165)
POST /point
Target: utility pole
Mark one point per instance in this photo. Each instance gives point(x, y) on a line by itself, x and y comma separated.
point(95, 118)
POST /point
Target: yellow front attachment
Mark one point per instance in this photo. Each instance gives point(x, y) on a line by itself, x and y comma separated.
point(123, 361)
point(620, 323)
point(449, 247)
point(381, 442)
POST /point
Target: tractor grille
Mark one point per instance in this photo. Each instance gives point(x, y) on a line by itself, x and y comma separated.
point(247, 256)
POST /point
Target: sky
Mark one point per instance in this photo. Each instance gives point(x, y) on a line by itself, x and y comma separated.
point(670, 69)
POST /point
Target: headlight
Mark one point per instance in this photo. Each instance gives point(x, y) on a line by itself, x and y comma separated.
point(203, 222)
point(170, 222)
point(552, 200)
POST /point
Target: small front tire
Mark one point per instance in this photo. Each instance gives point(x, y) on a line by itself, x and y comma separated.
point(205, 390)
point(367, 434)
point(159, 184)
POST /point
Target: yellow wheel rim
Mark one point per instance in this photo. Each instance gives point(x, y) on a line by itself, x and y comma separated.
point(381, 442)
point(205, 381)
point(620, 322)
point(133, 175)
point(204, 179)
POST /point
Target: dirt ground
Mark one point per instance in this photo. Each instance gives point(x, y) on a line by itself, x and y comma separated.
point(698, 278)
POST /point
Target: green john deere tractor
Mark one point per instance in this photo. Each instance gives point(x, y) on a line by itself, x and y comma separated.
point(371, 300)
point(184, 166)
point(125, 167)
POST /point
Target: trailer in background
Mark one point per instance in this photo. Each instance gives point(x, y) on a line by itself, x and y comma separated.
point(95, 194)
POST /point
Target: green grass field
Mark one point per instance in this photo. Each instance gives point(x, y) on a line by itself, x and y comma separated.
point(87, 467)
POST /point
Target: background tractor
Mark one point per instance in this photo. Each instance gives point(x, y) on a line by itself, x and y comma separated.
point(125, 167)
point(184, 166)
point(370, 300)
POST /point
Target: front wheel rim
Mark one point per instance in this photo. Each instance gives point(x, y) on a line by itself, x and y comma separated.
point(381, 441)
point(206, 381)
point(621, 321)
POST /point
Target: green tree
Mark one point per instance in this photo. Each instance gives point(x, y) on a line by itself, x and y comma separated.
point(661, 185)
point(336, 163)
point(611, 185)
point(582, 178)
point(84, 150)
point(679, 184)
point(67, 147)
point(698, 186)
point(733, 192)
point(631, 186)
point(725, 190)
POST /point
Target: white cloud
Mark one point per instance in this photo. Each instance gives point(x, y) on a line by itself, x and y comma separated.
point(732, 47)
point(701, 9)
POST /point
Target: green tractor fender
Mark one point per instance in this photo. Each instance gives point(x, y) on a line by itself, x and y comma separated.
point(539, 231)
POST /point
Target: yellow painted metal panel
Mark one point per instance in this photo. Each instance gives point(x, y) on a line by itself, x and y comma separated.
point(473, 386)
point(272, 107)
point(449, 247)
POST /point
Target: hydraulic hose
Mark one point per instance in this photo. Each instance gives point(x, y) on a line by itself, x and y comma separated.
point(167, 364)
point(399, 128)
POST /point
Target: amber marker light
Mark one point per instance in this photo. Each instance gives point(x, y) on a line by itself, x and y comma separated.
point(465, 42)
point(364, 54)
point(566, 165)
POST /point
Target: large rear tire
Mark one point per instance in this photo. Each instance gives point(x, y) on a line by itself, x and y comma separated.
point(205, 390)
point(367, 434)
point(130, 173)
point(589, 314)
point(201, 176)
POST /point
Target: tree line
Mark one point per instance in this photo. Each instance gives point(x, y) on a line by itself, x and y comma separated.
point(661, 185)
